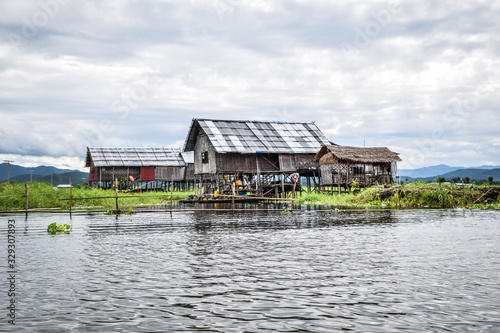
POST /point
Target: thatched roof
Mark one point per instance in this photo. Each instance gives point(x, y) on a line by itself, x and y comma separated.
point(330, 154)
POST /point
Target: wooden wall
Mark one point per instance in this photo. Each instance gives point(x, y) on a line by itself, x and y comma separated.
point(189, 175)
point(107, 174)
point(233, 162)
point(296, 162)
point(364, 174)
point(166, 173)
point(203, 145)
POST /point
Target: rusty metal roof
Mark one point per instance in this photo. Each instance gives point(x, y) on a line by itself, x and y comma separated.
point(250, 137)
point(136, 157)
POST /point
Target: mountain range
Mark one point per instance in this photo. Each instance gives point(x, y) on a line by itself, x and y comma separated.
point(449, 172)
point(43, 173)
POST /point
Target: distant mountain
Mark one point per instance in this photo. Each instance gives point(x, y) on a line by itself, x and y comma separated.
point(438, 170)
point(477, 174)
point(17, 170)
point(472, 174)
point(77, 178)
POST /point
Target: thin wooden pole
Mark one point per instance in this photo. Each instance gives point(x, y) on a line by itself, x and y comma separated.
point(26, 196)
point(282, 185)
point(347, 178)
point(364, 174)
point(171, 194)
point(116, 195)
point(232, 199)
point(339, 177)
point(70, 196)
point(333, 177)
point(293, 194)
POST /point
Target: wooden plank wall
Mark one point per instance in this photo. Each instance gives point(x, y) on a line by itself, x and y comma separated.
point(110, 173)
point(166, 173)
point(203, 144)
point(232, 162)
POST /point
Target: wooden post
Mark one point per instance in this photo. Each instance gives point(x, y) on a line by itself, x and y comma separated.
point(364, 174)
point(26, 197)
point(258, 184)
point(232, 199)
point(390, 173)
point(347, 178)
point(116, 196)
point(282, 185)
point(293, 194)
point(339, 177)
point(70, 196)
point(333, 177)
point(171, 195)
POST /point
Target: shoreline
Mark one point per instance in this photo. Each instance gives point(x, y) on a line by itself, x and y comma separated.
point(42, 198)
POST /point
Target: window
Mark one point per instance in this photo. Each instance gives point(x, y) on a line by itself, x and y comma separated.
point(204, 157)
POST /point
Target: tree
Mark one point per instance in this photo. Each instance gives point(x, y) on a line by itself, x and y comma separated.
point(441, 180)
point(490, 179)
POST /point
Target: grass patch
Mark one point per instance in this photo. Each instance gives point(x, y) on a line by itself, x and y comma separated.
point(42, 195)
point(415, 195)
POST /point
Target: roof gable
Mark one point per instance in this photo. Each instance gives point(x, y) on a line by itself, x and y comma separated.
point(250, 137)
point(138, 157)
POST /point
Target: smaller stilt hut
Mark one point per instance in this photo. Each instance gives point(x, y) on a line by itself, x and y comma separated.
point(144, 168)
point(341, 165)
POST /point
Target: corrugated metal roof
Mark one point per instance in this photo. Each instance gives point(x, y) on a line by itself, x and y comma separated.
point(136, 157)
point(188, 156)
point(249, 137)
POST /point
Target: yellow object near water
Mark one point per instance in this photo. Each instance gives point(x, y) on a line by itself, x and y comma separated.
point(216, 194)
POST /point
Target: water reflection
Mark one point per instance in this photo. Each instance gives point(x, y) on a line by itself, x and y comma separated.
point(310, 271)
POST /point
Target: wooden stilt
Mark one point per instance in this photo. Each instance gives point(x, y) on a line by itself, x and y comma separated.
point(171, 195)
point(347, 179)
point(339, 177)
point(232, 201)
point(116, 194)
point(70, 196)
point(26, 197)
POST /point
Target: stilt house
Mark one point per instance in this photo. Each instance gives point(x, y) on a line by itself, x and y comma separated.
point(134, 164)
point(256, 154)
point(340, 165)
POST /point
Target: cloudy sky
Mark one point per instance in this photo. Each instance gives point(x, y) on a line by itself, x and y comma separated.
point(420, 77)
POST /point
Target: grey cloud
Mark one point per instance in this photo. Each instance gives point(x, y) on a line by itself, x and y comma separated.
point(283, 62)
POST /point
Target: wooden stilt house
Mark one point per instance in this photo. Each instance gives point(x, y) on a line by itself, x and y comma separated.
point(341, 165)
point(258, 156)
point(153, 167)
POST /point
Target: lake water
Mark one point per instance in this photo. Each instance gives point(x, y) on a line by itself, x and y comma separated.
point(310, 271)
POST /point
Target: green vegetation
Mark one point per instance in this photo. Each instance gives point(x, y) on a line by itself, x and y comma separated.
point(54, 228)
point(414, 195)
point(42, 195)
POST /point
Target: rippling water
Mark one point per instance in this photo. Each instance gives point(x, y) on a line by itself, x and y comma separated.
point(310, 271)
